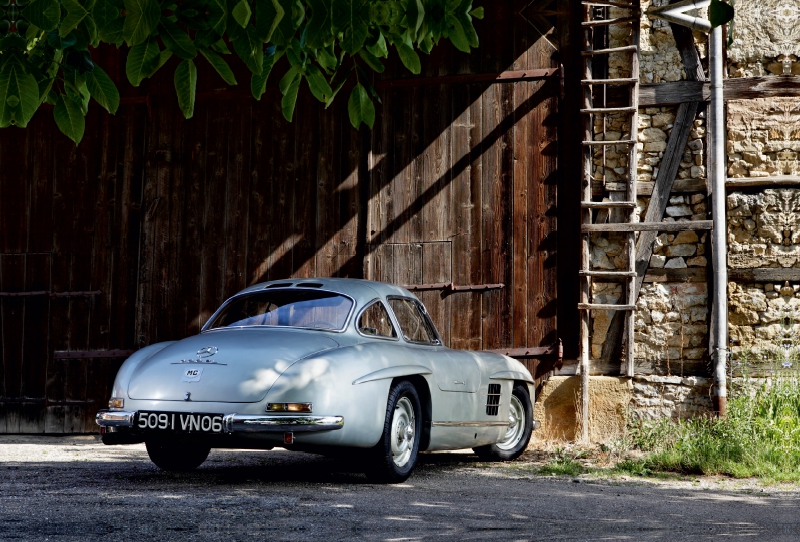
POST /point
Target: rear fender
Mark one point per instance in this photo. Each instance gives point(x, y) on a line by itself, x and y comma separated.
point(120, 388)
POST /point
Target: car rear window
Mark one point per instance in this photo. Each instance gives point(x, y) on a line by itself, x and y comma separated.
point(301, 308)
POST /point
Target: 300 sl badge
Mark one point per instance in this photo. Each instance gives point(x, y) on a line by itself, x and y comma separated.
point(192, 375)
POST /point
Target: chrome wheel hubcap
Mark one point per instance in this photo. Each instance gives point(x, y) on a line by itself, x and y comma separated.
point(516, 425)
point(403, 422)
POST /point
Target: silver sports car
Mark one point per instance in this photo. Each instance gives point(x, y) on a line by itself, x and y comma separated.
point(323, 365)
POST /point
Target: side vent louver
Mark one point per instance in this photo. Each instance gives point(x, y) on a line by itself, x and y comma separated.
point(493, 400)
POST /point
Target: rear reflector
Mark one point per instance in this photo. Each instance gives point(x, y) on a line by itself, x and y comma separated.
point(288, 438)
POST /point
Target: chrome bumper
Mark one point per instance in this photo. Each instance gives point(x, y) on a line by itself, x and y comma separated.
point(115, 418)
point(246, 423)
point(240, 423)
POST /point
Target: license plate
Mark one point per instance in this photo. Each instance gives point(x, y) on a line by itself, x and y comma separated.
point(186, 422)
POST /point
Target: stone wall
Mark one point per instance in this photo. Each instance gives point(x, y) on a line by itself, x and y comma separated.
point(766, 38)
point(763, 137)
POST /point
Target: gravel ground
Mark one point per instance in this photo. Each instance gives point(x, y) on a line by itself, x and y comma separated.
point(74, 488)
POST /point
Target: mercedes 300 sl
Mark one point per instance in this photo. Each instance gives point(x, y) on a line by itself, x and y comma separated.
point(321, 365)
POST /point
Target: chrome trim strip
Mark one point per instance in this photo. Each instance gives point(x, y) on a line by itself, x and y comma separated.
point(470, 424)
point(115, 418)
point(246, 423)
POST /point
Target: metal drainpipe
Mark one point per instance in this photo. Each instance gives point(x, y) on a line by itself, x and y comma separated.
point(719, 248)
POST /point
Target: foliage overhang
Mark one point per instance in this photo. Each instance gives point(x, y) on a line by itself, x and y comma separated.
point(46, 45)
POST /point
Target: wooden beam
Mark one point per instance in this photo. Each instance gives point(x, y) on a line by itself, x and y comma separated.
point(759, 182)
point(675, 93)
point(645, 188)
point(764, 274)
point(774, 86)
point(651, 228)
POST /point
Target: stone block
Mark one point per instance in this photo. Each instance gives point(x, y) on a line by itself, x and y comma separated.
point(699, 261)
point(675, 263)
point(685, 237)
point(679, 210)
point(680, 250)
point(655, 146)
point(657, 261)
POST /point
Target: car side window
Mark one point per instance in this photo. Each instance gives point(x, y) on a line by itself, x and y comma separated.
point(375, 321)
point(414, 324)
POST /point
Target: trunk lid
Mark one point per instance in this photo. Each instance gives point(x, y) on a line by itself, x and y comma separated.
point(229, 365)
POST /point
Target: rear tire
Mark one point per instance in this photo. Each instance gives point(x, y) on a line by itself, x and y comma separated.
point(395, 455)
point(176, 457)
point(519, 430)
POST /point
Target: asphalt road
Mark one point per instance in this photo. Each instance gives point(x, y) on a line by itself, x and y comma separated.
point(77, 489)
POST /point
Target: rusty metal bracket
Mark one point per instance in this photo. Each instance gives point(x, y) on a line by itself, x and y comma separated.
point(45, 402)
point(450, 287)
point(51, 294)
point(555, 349)
point(90, 354)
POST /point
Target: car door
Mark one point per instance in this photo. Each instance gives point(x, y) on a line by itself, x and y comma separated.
point(454, 370)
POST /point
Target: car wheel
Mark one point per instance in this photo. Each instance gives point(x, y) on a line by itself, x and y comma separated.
point(176, 457)
point(518, 434)
point(395, 455)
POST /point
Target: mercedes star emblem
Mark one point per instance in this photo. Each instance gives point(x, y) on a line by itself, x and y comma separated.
point(207, 352)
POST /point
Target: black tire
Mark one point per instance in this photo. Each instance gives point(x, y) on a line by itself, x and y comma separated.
point(517, 441)
point(393, 466)
point(176, 456)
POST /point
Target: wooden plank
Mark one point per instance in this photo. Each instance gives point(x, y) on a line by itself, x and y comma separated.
point(12, 276)
point(436, 266)
point(743, 183)
point(36, 342)
point(641, 367)
point(651, 226)
point(326, 198)
point(237, 184)
point(260, 201)
point(764, 274)
point(91, 354)
point(674, 93)
point(680, 186)
point(772, 86)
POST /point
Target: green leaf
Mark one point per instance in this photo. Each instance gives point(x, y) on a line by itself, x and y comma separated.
point(162, 58)
point(352, 18)
point(141, 57)
point(288, 78)
point(371, 60)
point(719, 13)
point(285, 29)
point(141, 18)
point(319, 31)
point(241, 13)
point(409, 57)
point(457, 35)
point(268, 15)
point(75, 14)
point(102, 89)
point(468, 29)
point(90, 27)
point(69, 118)
point(318, 84)
point(19, 94)
point(220, 65)
point(176, 40)
point(258, 83)
point(217, 16)
point(112, 32)
point(185, 86)
point(290, 98)
point(104, 12)
point(249, 48)
point(477, 13)
point(360, 107)
point(45, 14)
point(415, 15)
point(379, 48)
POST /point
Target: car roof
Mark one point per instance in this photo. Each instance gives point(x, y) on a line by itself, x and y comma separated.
point(362, 291)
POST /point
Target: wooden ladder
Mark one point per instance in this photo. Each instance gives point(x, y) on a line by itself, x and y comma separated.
point(620, 209)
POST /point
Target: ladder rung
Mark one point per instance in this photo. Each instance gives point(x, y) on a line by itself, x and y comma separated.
point(609, 274)
point(610, 110)
point(608, 204)
point(605, 307)
point(611, 142)
point(608, 22)
point(624, 81)
point(607, 3)
point(610, 50)
point(650, 226)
